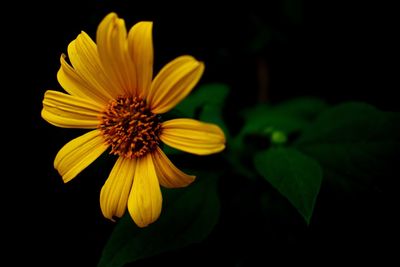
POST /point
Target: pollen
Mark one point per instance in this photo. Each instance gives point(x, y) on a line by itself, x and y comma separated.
point(129, 127)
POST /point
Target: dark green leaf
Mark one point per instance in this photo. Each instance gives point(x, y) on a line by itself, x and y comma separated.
point(263, 123)
point(213, 114)
point(354, 142)
point(287, 117)
point(210, 94)
point(188, 216)
point(170, 150)
point(303, 107)
point(293, 174)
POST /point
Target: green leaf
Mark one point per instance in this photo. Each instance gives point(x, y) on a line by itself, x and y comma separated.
point(188, 216)
point(213, 114)
point(266, 122)
point(295, 175)
point(303, 107)
point(354, 142)
point(287, 117)
point(213, 94)
point(170, 150)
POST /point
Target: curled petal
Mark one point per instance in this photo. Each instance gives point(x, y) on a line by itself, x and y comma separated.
point(168, 175)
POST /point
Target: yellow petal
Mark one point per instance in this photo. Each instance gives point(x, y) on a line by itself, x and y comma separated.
point(79, 153)
point(168, 175)
point(145, 200)
point(112, 45)
point(115, 191)
point(74, 84)
point(193, 136)
point(140, 45)
point(70, 111)
point(173, 83)
point(82, 53)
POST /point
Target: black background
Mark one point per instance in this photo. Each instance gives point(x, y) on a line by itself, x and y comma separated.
point(336, 51)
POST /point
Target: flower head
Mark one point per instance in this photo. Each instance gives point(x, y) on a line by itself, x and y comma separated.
point(111, 90)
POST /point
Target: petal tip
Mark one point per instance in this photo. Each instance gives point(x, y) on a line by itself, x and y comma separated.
point(111, 15)
point(66, 178)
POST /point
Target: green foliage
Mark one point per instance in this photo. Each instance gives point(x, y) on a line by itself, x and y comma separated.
point(303, 107)
point(212, 113)
point(293, 145)
point(274, 124)
point(287, 117)
point(353, 142)
point(188, 216)
point(295, 175)
point(213, 94)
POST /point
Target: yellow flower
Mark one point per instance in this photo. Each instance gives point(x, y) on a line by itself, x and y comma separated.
point(111, 90)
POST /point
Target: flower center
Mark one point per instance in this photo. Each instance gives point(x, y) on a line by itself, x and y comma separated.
point(130, 128)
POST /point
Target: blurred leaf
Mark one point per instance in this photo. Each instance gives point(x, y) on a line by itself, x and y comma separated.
point(213, 114)
point(287, 117)
point(354, 142)
point(173, 114)
point(170, 150)
point(293, 9)
point(266, 121)
point(210, 94)
point(295, 175)
point(265, 124)
point(188, 216)
point(259, 130)
point(303, 107)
